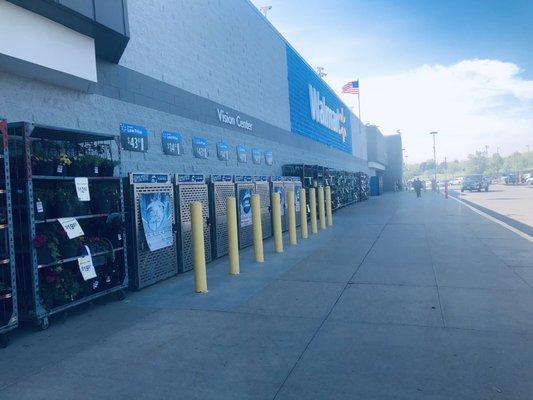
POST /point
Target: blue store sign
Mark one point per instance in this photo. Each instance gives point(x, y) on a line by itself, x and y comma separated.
point(171, 142)
point(199, 147)
point(316, 111)
point(223, 151)
point(242, 155)
point(269, 157)
point(256, 156)
point(134, 138)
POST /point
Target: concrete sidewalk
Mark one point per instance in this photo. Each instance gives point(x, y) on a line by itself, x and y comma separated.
point(403, 298)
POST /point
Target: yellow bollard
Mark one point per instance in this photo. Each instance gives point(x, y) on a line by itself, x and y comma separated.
point(321, 211)
point(276, 222)
point(257, 229)
point(303, 214)
point(198, 249)
point(329, 214)
point(312, 206)
point(291, 214)
point(233, 238)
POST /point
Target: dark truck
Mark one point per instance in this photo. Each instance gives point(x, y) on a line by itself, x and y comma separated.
point(475, 182)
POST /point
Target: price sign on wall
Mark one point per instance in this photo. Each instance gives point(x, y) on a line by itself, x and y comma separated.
point(172, 144)
point(199, 147)
point(242, 157)
point(269, 157)
point(134, 138)
point(256, 156)
point(222, 151)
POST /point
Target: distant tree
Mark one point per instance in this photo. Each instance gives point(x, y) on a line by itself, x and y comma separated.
point(476, 163)
point(455, 168)
point(427, 165)
point(495, 165)
point(517, 162)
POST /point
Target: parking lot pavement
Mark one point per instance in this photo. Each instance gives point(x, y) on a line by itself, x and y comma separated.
point(512, 204)
point(403, 298)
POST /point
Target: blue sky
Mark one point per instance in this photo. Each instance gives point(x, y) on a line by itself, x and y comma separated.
point(463, 68)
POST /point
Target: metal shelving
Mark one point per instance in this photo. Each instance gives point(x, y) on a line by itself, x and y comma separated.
point(38, 297)
point(8, 282)
point(346, 187)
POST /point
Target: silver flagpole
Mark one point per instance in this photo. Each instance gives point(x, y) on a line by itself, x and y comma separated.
point(359, 104)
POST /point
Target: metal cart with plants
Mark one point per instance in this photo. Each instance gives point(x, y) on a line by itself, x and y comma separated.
point(69, 213)
point(8, 283)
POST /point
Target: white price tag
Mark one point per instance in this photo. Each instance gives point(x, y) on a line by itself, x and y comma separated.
point(71, 227)
point(82, 189)
point(39, 205)
point(86, 266)
point(96, 170)
point(59, 168)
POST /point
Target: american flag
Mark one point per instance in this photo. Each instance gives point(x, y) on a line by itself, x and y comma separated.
point(351, 87)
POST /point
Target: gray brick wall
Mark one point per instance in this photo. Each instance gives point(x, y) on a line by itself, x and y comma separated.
point(24, 99)
point(219, 49)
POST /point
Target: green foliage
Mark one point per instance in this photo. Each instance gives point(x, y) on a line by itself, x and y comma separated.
point(477, 163)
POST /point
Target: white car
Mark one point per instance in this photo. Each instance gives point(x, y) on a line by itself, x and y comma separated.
point(529, 181)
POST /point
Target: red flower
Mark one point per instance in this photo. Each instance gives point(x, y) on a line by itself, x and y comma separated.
point(39, 241)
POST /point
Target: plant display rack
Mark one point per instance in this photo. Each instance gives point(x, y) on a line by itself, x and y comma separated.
point(346, 187)
point(8, 283)
point(45, 162)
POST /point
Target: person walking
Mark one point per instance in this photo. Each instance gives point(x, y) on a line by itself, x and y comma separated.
point(417, 185)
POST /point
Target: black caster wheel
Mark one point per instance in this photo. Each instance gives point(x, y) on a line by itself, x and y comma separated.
point(44, 323)
point(121, 295)
point(4, 340)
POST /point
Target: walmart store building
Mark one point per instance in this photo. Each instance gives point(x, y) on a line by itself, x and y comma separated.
point(215, 73)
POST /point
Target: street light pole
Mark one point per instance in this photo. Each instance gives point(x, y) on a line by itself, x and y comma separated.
point(434, 157)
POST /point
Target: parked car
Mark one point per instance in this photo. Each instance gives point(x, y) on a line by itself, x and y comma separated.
point(475, 182)
point(510, 179)
point(529, 181)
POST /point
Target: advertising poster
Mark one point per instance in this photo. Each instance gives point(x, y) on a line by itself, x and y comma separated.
point(156, 214)
point(245, 207)
point(281, 191)
point(297, 199)
point(242, 157)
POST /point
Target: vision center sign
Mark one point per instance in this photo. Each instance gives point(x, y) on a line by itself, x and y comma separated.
point(315, 110)
point(234, 119)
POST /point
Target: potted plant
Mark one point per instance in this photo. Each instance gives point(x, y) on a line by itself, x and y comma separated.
point(106, 200)
point(42, 165)
point(58, 286)
point(96, 245)
point(114, 229)
point(47, 247)
point(63, 202)
point(107, 167)
point(62, 163)
point(89, 165)
point(69, 248)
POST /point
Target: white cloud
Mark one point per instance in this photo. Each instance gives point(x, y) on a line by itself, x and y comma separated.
point(472, 103)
